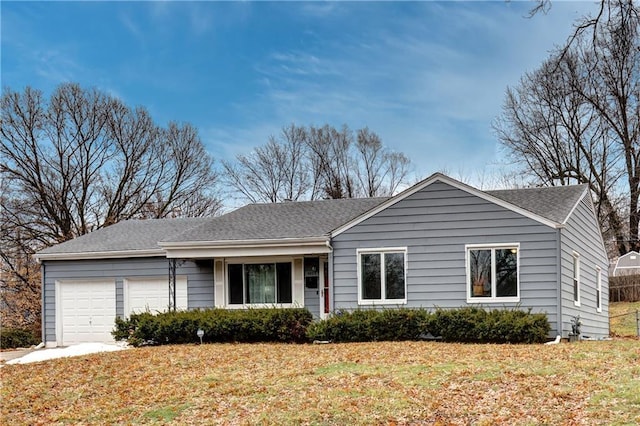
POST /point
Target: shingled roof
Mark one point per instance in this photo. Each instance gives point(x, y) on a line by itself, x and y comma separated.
point(303, 219)
point(554, 203)
point(294, 220)
point(128, 235)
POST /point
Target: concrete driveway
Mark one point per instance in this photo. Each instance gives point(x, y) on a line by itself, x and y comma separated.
point(9, 355)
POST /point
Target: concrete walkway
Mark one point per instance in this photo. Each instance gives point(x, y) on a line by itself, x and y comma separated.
point(9, 355)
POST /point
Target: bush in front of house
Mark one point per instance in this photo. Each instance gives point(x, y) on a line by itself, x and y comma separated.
point(466, 325)
point(219, 325)
point(477, 325)
point(11, 338)
point(368, 325)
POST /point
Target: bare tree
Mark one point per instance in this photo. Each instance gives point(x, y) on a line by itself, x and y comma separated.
point(81, 161)
point(274, 172)
point(577, 119)
point(317, 162)
point(379, 170)
point(330, 155)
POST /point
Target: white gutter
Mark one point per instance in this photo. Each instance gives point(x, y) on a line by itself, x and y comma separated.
point(242, 248)
point(99, 254)
point(274, 242)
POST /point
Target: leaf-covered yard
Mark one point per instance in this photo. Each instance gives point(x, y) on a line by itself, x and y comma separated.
point(369, 383)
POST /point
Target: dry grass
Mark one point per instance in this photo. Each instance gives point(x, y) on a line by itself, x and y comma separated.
point(623, 318)
point(371, 383)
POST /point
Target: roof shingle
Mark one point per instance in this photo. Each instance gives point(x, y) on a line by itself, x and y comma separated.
point(280, 220)
point(554, 203)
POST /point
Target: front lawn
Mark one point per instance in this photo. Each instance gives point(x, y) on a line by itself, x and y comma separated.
point(364, 383)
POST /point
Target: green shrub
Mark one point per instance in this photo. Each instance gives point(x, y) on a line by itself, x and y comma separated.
point(476, 325)
point(467, 325)
point(11, 338)
point(219, 325)
point(368, 325)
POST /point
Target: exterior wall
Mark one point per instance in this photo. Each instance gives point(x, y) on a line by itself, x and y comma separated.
point(435, 224)
point(582, 235)
point(199, 281)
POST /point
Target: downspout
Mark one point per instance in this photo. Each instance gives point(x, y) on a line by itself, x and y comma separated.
point(43, 315)
point(559, 318)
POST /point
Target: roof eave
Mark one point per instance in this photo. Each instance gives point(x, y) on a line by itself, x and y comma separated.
point(247, 248)
point(115, 254)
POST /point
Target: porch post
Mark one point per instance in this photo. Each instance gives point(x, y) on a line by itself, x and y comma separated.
point(172, 284)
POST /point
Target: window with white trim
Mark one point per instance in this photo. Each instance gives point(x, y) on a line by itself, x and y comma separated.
point(493, 273)
point(382, 276)
point(259, 283)
point(576, 279)
point(598, 289)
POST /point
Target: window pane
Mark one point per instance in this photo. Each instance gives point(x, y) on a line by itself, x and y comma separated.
point(260, 281)
point(235, 284)
point(371, 284)
point(394, 275)
point(480, 270)
point(506, 272)
point(284, 282)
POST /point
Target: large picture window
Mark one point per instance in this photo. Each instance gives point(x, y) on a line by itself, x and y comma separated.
point(259, 283)
point(492, 273)
point(382, 276)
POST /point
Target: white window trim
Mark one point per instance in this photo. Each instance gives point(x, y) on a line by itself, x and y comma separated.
point(492, 299)
point(260, 261)
point(382, 300)
point(576, 269)
point(598, 289)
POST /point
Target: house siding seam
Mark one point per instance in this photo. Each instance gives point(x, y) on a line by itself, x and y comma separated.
point(435, 224)
point(199, 281)
point(581, 235)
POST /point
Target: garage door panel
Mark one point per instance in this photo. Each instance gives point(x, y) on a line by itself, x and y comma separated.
point(152, 294)
point(86, 312)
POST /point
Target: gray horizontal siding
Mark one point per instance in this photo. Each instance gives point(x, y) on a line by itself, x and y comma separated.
point(582, 235)
point(199, 280)
point(435, 224)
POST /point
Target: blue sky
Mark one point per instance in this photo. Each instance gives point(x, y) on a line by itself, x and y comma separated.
point(428, 77)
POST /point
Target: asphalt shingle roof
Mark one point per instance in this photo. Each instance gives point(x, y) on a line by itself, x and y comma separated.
point(280, 220)
point(126, 235)
point(287, 220)
point(553, 203)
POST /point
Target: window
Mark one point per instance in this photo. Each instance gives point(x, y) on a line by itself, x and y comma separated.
point(382, 276)
point(598, 289)
point(492, 273)
point(576, 279)
point(259, 283)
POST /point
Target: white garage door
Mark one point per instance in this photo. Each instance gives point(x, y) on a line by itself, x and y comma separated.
point(152, 294)
point(86, 311)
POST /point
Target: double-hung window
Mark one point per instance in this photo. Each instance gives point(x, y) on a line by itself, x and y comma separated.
point(382, 276)
point(259, 283)
point(493, 273)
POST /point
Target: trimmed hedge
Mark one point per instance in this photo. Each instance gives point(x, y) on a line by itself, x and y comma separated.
point(371, 325)
point(11, 338)
point(476, 325)
point(468, 325)
point(219, 325)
